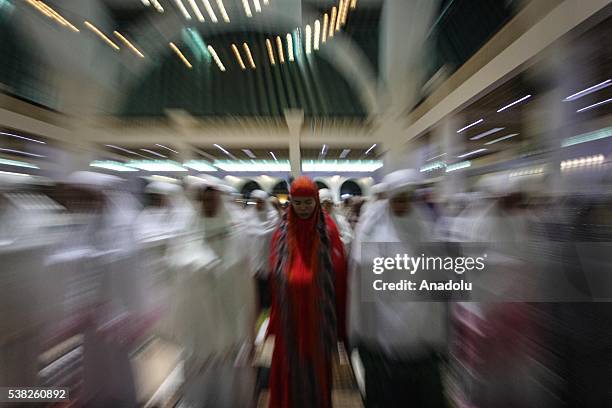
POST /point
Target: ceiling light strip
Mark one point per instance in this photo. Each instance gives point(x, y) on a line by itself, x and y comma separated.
point(100, 34)
point(182, 9)
point(501, 138)
point(223, 11)
point(129, 44)
point(180, 55)
point(487, 133)
point(270, 51)
point(247, 8)
point(325, 25)
point(238, 56)
point(511, 104)
point(586, 108)
point(279, 46)
point(247, 50)
point(216, 58)
point(290, 47)
point(461, 156)
point(196, 10)
point(210, 11)
point(589, 90)
point(332, 23)
point(470, 125)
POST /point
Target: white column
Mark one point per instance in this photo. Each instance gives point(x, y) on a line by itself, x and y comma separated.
point(295, 120)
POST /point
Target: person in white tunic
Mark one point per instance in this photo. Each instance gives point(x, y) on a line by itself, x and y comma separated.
point(217, 304)
point(104, 282)
point(399, 343)
point(158, 230)
point(346, 232)
point(262, 220)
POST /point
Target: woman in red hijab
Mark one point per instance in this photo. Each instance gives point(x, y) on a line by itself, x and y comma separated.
point(308, 284)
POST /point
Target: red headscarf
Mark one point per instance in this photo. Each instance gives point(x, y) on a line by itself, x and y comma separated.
point(302, 235)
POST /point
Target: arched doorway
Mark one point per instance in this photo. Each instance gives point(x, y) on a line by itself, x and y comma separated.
point(321, 185)
point(249, 187)
point(350, 188)
point(281, 191)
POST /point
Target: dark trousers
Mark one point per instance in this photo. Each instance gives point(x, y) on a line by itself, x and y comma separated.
point(263, 289)
point(405, 383)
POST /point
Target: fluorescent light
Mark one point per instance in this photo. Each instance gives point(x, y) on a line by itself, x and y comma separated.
point(587, 137)
point(20, 152)
point(182, 8)
point(51, 13)
point(100, 34)
point(433, 166)
point(180, 55)
point(344, 13)
point(279, 46)
point(332, 23)
point(257, 6)
point(225, 151)
point(297, 42)
point(487, 133)
point(370, 149)
point(129, 44)
point(154, 153)
point(270, 51)
point(156, 165)
point(339, 16)
point(22, 137)
point(594, 105)
point(344, 153)
point(461, 156)
point(470, 125)
point(203, 153)
point(146, 3)
point(249, 153)
point(317, 34)
point(16, 163)
point(325, 24)
point(210, 11)
point(10, 173)
point(111, 165)
point(324, 150)
point(341, 166)
point(216, 58)
point(308, 39)
point(165, 147)
point(252, 166)
point(273, 156)
point(435, 157)
point(514, 103)
point(238, 57)
point(196, 10)
point(157, 6)
point(247, 50)
point(502, 138)
point(290, 47)
point(126, 150)
point(247, 8)
point(458, 166)
point(223, 11)
point(199, 165)
point(589, 90)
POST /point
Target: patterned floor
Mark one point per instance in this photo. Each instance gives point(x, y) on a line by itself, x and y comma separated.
point(345, 393)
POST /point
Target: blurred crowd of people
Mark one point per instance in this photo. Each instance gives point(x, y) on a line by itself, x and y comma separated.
point(196, 263)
